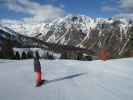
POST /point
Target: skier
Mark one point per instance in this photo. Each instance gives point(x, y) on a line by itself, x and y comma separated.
point(37, 69)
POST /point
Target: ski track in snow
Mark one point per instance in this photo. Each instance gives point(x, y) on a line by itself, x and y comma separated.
point(67, 80)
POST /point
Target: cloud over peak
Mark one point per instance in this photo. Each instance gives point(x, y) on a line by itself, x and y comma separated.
point(37, 11)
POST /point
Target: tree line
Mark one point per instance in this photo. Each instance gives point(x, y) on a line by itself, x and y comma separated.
point(7, 52)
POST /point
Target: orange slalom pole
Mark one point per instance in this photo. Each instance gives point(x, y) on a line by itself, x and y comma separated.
point(38, 77)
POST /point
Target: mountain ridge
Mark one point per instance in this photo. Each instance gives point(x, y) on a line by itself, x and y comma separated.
point(82, 31)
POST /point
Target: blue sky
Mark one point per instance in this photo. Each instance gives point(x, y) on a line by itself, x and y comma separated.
point(41, 10)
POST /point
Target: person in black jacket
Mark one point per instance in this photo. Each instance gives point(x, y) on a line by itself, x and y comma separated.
point(37, 70)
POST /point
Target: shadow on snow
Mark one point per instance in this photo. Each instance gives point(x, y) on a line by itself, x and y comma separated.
point(64, 78)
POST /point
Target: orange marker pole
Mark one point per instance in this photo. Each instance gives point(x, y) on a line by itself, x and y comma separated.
point(38, 77)
point(37, 69)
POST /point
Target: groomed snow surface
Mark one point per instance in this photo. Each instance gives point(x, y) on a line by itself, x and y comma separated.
point(68, 80)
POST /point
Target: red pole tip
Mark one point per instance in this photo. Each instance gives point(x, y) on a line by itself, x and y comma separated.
point(104, 55)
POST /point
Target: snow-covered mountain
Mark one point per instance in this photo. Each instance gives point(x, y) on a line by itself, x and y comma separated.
point(16, 39)
point(6, 33)
point(28, 29)
point(82, 31)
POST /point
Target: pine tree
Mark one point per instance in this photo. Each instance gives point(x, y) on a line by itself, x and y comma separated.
point(24, 56)
point(50, 56)
point(79, 56)
point(1, 54)
point(30, 54)
point(7, 49)
point(64, 55)
point(17, 55)
point(47, 55)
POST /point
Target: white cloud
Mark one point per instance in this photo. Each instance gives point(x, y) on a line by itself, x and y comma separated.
point(109, 8)
point(47, 12)
point(37, 11)
point(122, 6)
point(126, 5)
point(6, 21)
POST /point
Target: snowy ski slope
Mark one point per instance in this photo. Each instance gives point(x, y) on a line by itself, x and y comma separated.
point(68, 80)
